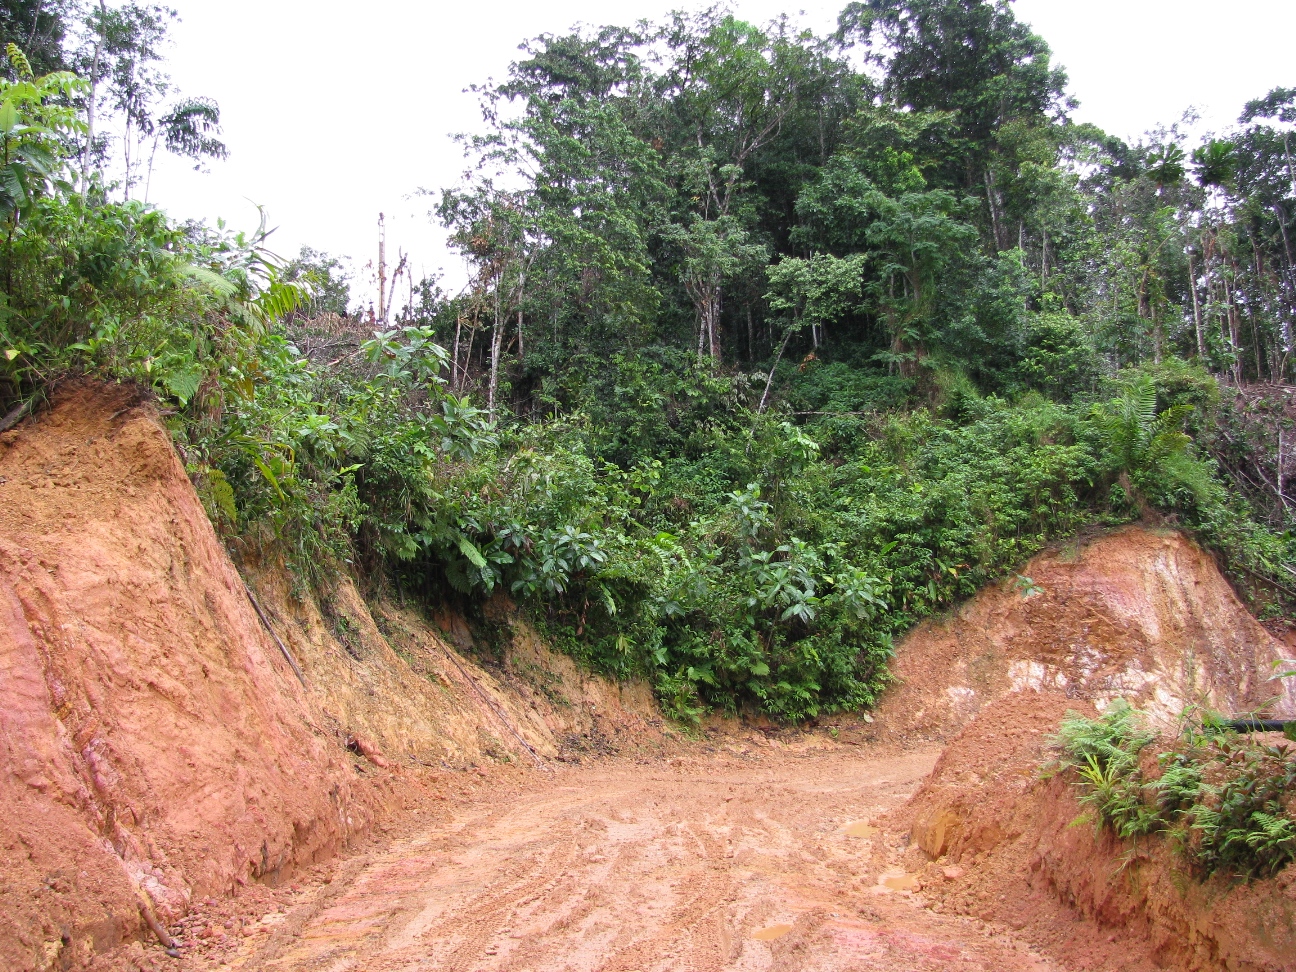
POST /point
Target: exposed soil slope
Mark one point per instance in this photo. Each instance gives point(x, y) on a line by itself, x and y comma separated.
point(155, 746)
point(382, 674)
point(1139, 614)
point(765, 856)
point(152, 740)
point(1033, 861)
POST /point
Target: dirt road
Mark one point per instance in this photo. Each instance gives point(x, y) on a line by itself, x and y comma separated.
point(694, 864)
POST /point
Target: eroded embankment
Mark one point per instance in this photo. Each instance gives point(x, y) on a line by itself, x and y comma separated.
point(155, 745)
point(1027, 855)
point(753, 854)
point(1138, 614)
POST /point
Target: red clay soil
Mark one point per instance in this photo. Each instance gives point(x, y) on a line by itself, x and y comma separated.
point(155, 746)
point(1025, 854)
point(152, 739)
point(754, 856)
point(789, 854)
point(1138, 614)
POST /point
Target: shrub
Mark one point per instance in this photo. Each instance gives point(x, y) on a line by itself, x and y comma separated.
point(1227, 802)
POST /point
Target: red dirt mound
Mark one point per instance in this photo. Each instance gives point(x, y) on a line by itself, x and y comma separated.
point(1008, 845)
point(1139, 614)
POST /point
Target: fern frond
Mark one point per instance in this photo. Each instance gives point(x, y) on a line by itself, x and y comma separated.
point(210, 278)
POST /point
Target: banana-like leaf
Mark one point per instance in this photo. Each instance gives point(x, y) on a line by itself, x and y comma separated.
point(268, 473)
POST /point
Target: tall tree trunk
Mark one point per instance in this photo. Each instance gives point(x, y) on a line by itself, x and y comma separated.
point(1230, 329)
point(1282, 228)
point(1255, 333)
point(1255, 344)
point(713, 319)
point(523, 270)
point(382, 270)
point(992, 202)
point(1291, 170)
point(1279, 474)
point(706, 300)
point(1235, 323)
point(521, 345)
point(497, 337)
point(1158, 339)
point(760, 409)
point(126, 152)
point(895, 365)
point(751, 341)
point(91, 104)
point(1284, 316)
point(148, 179)
point(1223, 319)
point(1197, 315)
point(31, 36)
point(467, 360)
point(454, 359)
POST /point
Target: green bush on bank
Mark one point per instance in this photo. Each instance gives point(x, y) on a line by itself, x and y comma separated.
point(1224, 801)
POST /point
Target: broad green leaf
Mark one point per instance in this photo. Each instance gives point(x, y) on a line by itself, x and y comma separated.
point(10, 117)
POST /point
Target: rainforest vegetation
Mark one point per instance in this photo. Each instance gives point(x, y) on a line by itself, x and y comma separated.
point(775, 343)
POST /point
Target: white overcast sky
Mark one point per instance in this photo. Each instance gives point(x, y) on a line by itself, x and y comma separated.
point(334, 112)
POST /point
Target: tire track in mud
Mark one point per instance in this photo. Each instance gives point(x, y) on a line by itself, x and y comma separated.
point(472, 929)
point(624, 868)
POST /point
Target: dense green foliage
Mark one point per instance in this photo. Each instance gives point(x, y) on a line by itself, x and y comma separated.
point(771, 358)
point(1222, 799)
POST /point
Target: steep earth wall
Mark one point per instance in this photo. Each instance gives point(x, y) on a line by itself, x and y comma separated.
point(1023, 852)
point(155, 745)
point(385, 676)
point(1140, 614)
